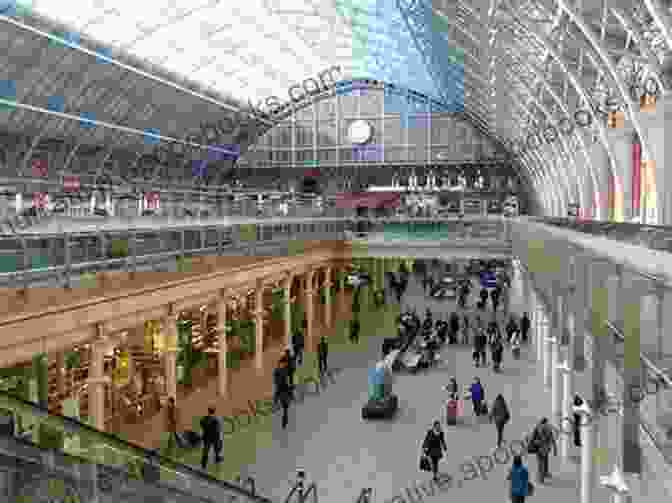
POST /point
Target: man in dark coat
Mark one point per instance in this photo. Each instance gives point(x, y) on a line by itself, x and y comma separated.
point(434, 446)
point(524, 327)
point(543, 439)
point(484, 297)
point(298, 344)
point(291, 366)
point(212, 437)
point(495, 296)
point(283, 388)
point(354, 330)
point(499, 414)
point(511, 328)
point(322, 352)
point(454, 328)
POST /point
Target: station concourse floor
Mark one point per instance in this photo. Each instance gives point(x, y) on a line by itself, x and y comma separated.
point(343, 454)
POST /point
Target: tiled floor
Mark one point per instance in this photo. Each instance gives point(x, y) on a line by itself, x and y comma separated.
point(343, 454)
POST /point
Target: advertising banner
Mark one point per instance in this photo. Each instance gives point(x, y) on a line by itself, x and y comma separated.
point(648, 174)
point(40, 168)
point(40, 200)
point(349, 200)
point(152, 200)
point(71, 183)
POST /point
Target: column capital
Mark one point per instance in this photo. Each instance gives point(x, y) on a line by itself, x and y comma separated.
point(99, 380)
point(259, 313)
point(309, 292)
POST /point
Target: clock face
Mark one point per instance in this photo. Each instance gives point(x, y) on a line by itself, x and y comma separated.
point(360, 132)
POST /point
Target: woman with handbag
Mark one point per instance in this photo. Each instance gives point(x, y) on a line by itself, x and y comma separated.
point(521, 487)
point(433, 448)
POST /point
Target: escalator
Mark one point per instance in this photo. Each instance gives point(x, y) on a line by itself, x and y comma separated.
point(51, 458)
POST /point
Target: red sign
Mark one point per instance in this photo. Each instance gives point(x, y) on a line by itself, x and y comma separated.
point(40, 200)
point(368, 200)
point(71, 183)
point(311, 173)
point(40, 168)
point(152, 200)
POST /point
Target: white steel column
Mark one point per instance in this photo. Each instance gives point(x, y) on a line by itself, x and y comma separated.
point(566, 409)
point(556, 384)
point(327, 298)
point(588, 478)
point(577, 357)
point(547, 356)
point(287, 286)
point(259, 324)
point(223, 347)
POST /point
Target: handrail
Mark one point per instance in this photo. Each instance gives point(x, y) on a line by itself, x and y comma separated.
point(74, 426)
point(659, 374)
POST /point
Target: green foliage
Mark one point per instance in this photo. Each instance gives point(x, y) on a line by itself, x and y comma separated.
point(72, 360)
point(50, 437)
point(119, 248)
point(184, 264)
point(278, 304)
point(40, 374)
point(233, 357)
point(298, 315)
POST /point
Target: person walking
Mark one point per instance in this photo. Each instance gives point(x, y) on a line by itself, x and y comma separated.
point(497, 354)
point(495, 296)
point(499, 414)
point(354, 330)
point(541, 442)
point(291, 365)
point(519, 476)
point(484, 298)
point(482, 344)
point(453, 389)
point(434, 446)
point(465, 333)
point(477, 348)
point(454, 328)
point(322, 352)
point(524, 327)
point(576, 424)
point(212, 437)
point(298, 344)
point(511, 328)
point(283, 388)
point(174, 440)
point(477, 396)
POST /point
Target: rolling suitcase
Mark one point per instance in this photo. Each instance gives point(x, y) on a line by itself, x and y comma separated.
point(451, 412)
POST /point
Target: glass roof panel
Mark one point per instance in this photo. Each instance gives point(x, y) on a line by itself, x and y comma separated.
point(275, 43)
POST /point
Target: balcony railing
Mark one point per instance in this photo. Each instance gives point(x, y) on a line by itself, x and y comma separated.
point(90, 461)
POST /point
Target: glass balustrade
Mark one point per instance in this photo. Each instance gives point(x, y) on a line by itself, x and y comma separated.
point(649, 236)
point(111, 460)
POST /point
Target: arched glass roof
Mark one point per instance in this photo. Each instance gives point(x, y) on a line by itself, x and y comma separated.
point(254, 49)
point(515, 64)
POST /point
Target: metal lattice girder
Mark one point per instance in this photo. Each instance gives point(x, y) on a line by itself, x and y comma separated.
point(428, 36)
point(561, 105)
point(564, 152)
point(560, 61)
